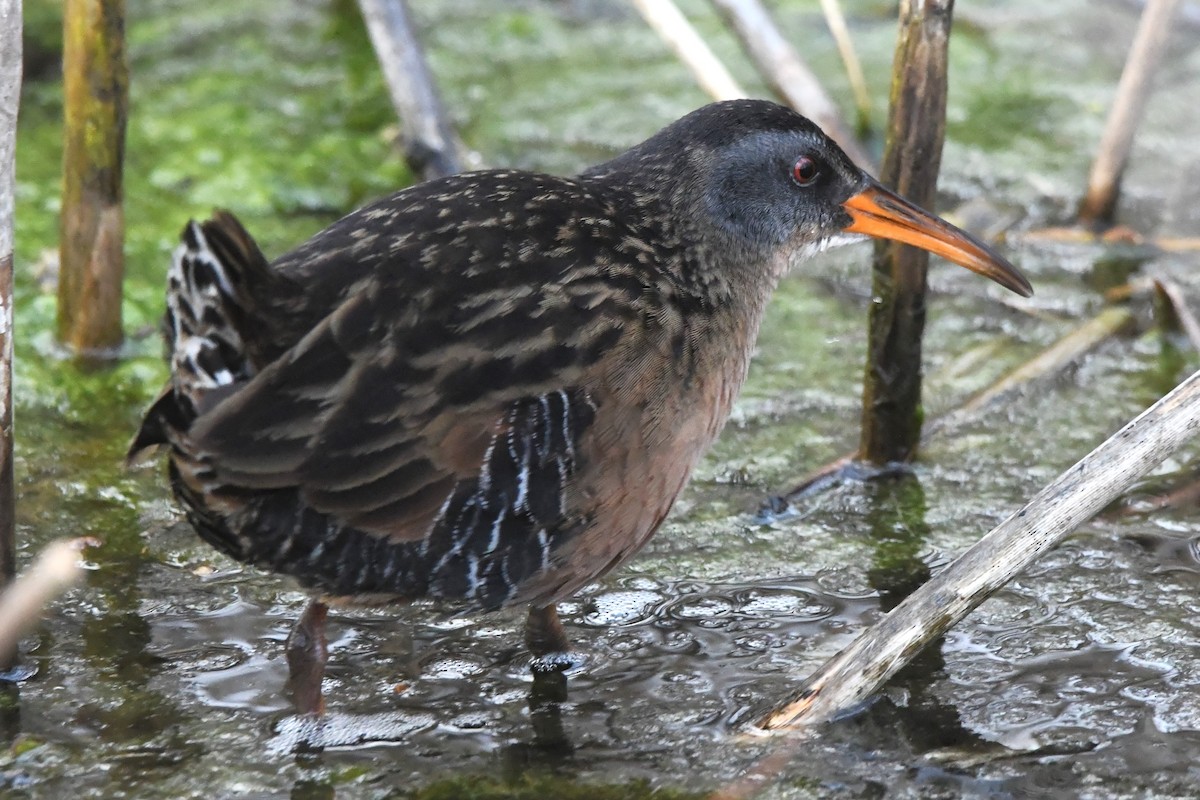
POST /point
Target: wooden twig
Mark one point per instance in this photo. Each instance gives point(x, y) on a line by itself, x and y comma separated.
point(891, 418)
point(1189, 13)
point(96, 105)
point(1072, 499)
point(1125, 292)
point(1182, 496)
point(1104, 180)
point(787, 73)
point(10, 96)
point(431, 147)
point(669, 23)
point(1177, 244)
point(1183, 318)
point(1120, 234)
point(55, 568)
point(845, 45)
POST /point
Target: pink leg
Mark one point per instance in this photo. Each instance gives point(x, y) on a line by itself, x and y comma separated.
point(546, 639)
point(307, 652)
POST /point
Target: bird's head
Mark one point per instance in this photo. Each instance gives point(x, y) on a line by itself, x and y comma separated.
point(768, 181)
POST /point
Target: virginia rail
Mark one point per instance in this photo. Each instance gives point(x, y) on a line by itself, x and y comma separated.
point(491, 387)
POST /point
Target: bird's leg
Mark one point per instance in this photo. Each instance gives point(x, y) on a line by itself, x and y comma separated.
point(307, 652)
point(546, 640)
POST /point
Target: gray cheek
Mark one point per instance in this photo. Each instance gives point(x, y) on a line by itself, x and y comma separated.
point(753, 220)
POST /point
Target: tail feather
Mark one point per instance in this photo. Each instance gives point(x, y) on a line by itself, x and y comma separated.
point(217, 287)
point(203, 294)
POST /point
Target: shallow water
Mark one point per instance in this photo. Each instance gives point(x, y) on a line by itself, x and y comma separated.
point(162, 675)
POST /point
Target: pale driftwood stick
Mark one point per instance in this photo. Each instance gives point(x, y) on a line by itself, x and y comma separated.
point(10, 96)
point(845, 45)
point(431, 146)
point(787, 73)
point(757, 778)
point(1072, 499)
point(55, 568)
point(1189, 13)
point(669, 23)
point(1149, 43)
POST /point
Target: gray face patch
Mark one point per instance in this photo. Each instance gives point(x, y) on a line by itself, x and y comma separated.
point(752, 196)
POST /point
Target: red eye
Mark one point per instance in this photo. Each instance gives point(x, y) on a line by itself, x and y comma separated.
point(805, 171)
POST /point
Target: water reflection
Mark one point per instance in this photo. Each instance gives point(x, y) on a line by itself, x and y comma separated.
point(548, 743)
point(897, 521)
point(312, 790)
point(10, 713)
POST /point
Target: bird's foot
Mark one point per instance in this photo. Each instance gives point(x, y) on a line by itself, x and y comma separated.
point(559, 661)
point(837, 473)
point(547, 642)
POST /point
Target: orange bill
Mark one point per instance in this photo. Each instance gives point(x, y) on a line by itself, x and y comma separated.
point(884, 214)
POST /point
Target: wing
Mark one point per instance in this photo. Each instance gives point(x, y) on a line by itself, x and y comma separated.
point(377, 426)
point(501, 527)
point(396, 402)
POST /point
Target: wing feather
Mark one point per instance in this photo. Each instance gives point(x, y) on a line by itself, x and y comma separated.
point(444, 414)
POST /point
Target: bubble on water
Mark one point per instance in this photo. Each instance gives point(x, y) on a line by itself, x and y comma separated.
point(621, 608)
point(557, 662)
point(795, 604)
point(701, 607)
point(474, 720)
point(451, 669)
point(308, 732)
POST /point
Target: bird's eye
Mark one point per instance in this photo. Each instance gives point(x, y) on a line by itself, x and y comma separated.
point(805, 171)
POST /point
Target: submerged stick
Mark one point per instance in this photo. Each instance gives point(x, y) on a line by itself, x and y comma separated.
point(431, 147)
point(891, 417)
point(22, 603)
point(787, 73)
point(96, 107)
point(1104, 180)
point(1075, 343)
point(669, 23)
point(10, 96)
point(1072, 499)
point(1182, 317)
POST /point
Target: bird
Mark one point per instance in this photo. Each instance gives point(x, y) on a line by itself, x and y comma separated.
point(490, 388)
